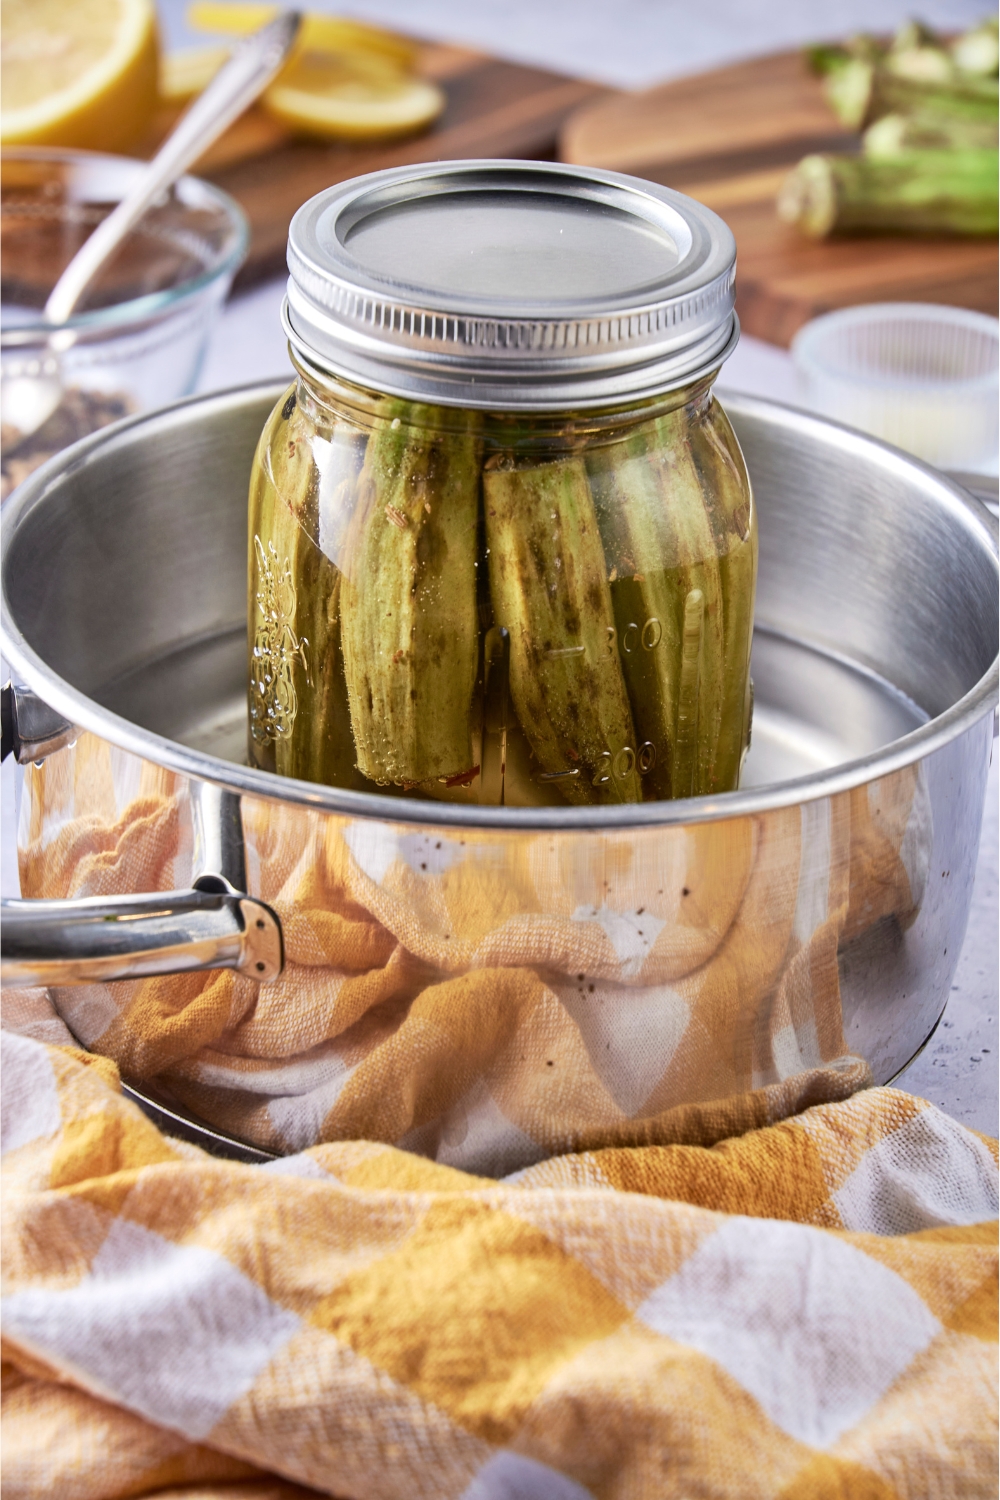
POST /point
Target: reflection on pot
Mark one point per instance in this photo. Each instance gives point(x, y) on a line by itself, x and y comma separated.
point(490, 998)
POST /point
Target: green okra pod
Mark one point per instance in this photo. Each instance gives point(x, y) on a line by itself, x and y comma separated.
point(916, 192)
point(723, 474)
point(674, 508)
point(298, 695)
point(408, 600)
point(695, 547)
point(688, 761)
point(637, 548)
point(283, 489)
point(548, 582)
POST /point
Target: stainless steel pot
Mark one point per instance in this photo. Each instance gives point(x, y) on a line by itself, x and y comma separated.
point(875, 670)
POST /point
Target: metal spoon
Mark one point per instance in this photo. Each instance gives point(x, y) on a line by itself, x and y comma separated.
point(27, 401)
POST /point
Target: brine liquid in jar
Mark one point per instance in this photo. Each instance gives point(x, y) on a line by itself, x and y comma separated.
point(475, 607)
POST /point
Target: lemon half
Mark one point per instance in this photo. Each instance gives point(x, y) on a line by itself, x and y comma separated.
point(79, 73)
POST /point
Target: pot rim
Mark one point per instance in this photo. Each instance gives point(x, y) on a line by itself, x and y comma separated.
point(87, 714)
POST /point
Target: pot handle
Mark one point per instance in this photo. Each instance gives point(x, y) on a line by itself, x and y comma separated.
point(31, 730)
point(95, 939)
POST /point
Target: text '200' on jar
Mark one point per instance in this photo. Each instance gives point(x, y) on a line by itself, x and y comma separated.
point(502, 542)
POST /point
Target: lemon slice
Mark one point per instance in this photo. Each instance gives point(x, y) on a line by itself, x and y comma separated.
point(351, 97)
point(77, 72)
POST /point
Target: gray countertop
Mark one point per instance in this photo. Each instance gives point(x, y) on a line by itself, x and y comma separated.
point(631, 43)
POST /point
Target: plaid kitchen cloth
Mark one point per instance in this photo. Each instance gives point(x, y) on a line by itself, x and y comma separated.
point(805, 1310)
point(486, 1000)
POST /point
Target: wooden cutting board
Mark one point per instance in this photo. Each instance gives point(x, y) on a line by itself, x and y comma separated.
point(728, 138)
point(493, 108)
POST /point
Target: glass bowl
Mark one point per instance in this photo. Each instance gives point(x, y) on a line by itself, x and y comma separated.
point(140, 333)
point(918, 375)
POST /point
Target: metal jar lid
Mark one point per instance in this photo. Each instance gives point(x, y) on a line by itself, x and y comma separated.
point(510, 285)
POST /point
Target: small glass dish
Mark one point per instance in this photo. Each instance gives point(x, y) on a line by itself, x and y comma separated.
point(139, 336)
point(917, 375)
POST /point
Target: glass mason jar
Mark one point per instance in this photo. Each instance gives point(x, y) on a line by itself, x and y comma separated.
point(495, 584)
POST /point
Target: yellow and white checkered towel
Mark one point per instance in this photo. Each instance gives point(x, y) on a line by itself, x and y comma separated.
point(807, 1311)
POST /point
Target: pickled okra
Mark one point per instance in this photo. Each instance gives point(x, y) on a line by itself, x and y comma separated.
point(296, 674)
point(723, 475)
point(457, 605)
point(282, 649)
point(503, 542)
point(682, 586)
point(549, 589)
point(698, 593)
point(408, 600)
point(644, 599)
